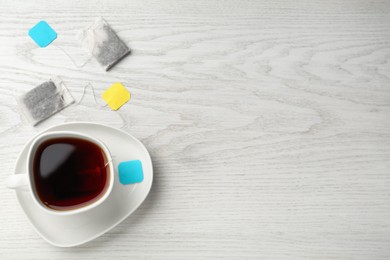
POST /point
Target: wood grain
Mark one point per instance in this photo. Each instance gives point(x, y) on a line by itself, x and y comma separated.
point(267, 121)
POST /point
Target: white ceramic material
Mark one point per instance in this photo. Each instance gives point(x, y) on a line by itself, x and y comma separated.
point(20, 180)
point(76, 229)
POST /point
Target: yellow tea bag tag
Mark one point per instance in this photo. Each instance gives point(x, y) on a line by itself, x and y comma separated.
point(116, 96)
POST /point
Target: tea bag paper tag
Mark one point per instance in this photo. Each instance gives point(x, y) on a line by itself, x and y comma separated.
point(130, 172)
point(42, 34)
point(116, 96)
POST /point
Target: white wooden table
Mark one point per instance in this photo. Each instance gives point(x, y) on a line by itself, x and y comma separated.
point(267, 121)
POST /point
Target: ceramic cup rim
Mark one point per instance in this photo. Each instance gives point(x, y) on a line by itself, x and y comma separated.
point(56, 134)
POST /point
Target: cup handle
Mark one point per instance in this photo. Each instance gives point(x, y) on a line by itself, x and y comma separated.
point(17, 181)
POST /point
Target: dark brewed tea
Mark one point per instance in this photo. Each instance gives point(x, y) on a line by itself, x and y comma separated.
point(69, 173)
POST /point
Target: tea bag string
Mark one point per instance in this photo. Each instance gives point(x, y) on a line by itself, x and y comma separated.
point(93, 36)
point(72, 60)
point(93, 93)
point(62, 90)
point(107, 163)
point(113, 157)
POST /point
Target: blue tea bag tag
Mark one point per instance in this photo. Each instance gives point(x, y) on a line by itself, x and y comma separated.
point(42, 34)
point(130, 172)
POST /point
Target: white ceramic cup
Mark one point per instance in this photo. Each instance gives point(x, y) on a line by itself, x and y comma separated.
point(25, 180)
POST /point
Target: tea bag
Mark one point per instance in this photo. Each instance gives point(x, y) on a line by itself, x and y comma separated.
point(104, 44)
point(45, 100)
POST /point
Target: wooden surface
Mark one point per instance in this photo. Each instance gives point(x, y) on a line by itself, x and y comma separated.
point(267, 121)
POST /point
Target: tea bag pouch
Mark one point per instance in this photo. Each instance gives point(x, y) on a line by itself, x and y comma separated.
point(103, 44)
point(45, 100)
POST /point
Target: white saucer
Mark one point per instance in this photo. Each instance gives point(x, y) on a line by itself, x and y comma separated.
point(73, 230)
